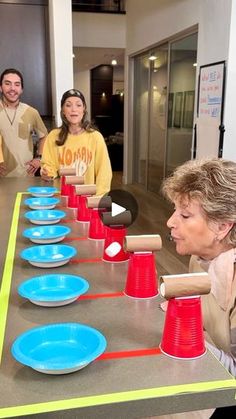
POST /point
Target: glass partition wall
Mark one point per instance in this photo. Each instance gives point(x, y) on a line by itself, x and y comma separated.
point(164, 93)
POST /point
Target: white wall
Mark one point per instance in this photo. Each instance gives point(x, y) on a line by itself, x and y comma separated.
point(229, 149)
point(99, 30)
point(152, 22)
point(60, 23)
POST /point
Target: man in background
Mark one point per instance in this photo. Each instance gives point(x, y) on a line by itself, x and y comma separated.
point(19, 123)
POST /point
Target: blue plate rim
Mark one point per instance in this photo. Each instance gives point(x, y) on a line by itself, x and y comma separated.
point(37, 189)
point(40, 260)
point(23, 293)
point(26, 232)
point(28, 361)
point(32, 215)
point(52, 200)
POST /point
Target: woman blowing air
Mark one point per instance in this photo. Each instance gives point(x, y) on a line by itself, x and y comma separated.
point(77, 144)
point(203, 225)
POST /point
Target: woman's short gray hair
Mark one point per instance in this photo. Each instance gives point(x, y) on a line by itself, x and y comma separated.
point(213, 183)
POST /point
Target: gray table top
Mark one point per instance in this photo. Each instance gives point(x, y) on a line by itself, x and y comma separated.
point(133, 378)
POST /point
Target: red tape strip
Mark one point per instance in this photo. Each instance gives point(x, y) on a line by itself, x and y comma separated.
point(129, 354)
point(85, 260)
point(107, 295)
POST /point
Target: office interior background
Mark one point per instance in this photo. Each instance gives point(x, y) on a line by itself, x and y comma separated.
point(146, 105)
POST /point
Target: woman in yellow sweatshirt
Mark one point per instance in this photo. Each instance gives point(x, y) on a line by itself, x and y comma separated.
point(77, 144)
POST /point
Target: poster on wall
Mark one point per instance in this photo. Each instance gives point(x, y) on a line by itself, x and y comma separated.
point(209, 124)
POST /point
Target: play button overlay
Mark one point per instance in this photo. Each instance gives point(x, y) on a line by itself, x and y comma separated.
point(116, 209)
point(123, 210)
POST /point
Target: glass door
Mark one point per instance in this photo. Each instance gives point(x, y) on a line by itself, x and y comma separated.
point(182, 79)
point(164, 97)
point(157, 117)
point(141, 120)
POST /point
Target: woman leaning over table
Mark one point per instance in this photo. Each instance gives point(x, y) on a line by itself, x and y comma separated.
point(203, 225)
point(77, 144)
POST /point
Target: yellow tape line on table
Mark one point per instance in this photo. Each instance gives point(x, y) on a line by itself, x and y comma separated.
point(7, 272)
point(104, 399)
point(89, 400)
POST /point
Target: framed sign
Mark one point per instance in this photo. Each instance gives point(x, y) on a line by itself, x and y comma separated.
point(211, 91)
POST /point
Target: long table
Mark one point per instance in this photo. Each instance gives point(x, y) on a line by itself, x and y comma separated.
point(132, 378)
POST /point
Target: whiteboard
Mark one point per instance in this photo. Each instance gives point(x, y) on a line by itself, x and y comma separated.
point(209, 127)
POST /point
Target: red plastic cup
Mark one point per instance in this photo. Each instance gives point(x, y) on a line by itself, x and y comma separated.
point(65, 189)
point(183, 329)
point(72, 198)
point(83, 212)
point(115, 235)
point(96, 227)
point(141, 281)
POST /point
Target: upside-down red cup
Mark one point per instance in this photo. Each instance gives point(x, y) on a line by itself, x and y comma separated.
point(183, 329)
point(141, 281)
point(72, 198)
point(114, 244)
point(83, 212)
point(65, 189)
point(96, 226)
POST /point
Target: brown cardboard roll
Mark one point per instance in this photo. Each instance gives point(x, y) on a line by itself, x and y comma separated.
point(99, 202)
point(185, 285)
point(67, 171)
point(142, 243)
point(85, 189)
point(123, 219)
point(74, 180)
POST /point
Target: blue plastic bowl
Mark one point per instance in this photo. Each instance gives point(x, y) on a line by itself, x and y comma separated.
point(53, 290)
point(48, 256)
point(45, 216)
point(41, 203)
point(46, 234)
point(58, 348)
point(42, 190)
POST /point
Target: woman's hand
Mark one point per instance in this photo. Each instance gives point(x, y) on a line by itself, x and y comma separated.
point(45, 176)
point(32, 166)
point(3, 170)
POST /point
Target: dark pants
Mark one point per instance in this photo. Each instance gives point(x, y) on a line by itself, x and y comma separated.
point(228, 412)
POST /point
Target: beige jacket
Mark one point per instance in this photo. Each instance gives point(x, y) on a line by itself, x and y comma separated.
point(219, 323)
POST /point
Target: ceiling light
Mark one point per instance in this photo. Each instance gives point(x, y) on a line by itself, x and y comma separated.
point(114, 62)
point(152, 57)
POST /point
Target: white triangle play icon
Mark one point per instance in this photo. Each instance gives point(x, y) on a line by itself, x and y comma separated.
point(116, 209)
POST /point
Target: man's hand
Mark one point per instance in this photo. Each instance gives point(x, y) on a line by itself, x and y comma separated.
point(3, 170)
point(32, 166)
point(45, 176)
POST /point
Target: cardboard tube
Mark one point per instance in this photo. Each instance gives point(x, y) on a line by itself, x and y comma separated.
point(74, 180)
point(99, 202)
point(184, 285)
point(67, 171)
point(142, 243)
point(124, 219)
point(85, 189)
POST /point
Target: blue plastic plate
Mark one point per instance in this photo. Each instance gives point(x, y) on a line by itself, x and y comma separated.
point(42, 190)
point(41, 203)
point(48, 256)
point(46, 234)
point(45, 216)
point(53, 290)
point(58, 348)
